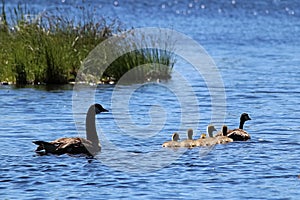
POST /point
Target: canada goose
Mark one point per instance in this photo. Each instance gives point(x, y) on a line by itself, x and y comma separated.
point(189, 141)
point(89, 146)
point(240, 134)
point(174, 142)
point(210, 130)
point(223, 139)
point(206, 141)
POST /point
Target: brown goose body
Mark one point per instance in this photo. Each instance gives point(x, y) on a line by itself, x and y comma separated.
point(67, 146)
point(75, 145)
point(238, 135)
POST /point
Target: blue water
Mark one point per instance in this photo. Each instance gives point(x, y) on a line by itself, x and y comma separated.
point(256, 47)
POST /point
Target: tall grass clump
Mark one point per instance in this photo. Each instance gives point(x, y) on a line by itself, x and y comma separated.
point(50, 46)
point(144, 65)
point(140, 57)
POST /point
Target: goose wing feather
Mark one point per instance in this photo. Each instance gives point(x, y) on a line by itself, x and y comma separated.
point(238, 135)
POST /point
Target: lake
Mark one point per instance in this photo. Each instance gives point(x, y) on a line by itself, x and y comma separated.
point(255, 46)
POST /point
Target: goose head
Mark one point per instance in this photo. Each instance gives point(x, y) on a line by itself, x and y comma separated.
point(210, 130)
point(190, 133)
point(203, 136)
point(98, 108)
point(224, 130)
point(245, 117)
point(175, 137)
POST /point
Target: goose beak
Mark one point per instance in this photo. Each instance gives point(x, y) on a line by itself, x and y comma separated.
point(98, 111)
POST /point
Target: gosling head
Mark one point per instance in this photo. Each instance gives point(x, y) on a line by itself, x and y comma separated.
point(203, 136)
point(190, 133)
point(245, 117)
point(210, 130)
point(175, 137)
point(99, 108)
point(224, 130)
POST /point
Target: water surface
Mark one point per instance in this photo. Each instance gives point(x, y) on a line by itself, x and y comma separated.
point(255, 46)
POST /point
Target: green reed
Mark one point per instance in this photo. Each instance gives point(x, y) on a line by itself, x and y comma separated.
point(150, 58)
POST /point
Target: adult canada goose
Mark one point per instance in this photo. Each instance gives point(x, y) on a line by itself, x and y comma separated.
point(223, 139)
point(189, 141)
point(89, 146)
point(239, 134)
point(174, 142)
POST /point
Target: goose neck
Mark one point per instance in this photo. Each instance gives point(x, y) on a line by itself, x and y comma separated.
point(91, 133)
point(241, 124)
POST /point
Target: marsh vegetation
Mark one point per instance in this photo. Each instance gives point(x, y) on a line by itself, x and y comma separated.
point(50, 46)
